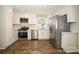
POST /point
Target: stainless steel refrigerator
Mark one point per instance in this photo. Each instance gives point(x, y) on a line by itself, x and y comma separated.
point(58, 24)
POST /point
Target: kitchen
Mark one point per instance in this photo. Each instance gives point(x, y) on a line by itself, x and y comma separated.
point(32, 23)
point(39, 22)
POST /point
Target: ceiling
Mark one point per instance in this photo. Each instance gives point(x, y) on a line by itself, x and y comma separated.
point(36, 8)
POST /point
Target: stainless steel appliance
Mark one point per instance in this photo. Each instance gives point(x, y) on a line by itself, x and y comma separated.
point(23, 20)
point(22, 33)
point(34, 34)
point(58, 24)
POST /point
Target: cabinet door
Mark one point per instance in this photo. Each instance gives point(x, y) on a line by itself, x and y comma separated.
point(72, 14)
point(43, 34)
point(69, 41)
point(46, 34)
point(16, 18)
point(29, 34)
point(32, 19)
point(40, 34)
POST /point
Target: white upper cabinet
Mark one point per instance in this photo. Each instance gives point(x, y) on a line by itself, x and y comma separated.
point(16, 18)
point(32, 19)
point(17, 15)
point(72, 14)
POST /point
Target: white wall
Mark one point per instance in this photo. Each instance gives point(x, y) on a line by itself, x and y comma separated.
point(75, 27)
point(6, 33)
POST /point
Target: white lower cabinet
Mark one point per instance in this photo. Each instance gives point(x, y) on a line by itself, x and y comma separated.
point(43, 34)
point(69, 41)
point(39, 34)
point(29, 34)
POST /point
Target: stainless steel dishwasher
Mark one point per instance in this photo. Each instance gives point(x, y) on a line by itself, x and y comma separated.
point(34, 34)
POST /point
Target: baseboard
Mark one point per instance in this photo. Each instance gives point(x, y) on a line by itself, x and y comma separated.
point(43, 39)
point(2, 48)
point(38, 39)
point(29, 39)
point(71, 50)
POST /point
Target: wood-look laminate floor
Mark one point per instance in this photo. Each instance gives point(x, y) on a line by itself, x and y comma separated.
point(32, 47)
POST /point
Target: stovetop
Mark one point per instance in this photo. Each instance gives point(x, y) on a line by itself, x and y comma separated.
point(23, 28)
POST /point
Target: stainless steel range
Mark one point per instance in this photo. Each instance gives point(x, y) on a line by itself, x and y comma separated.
point(22, 33)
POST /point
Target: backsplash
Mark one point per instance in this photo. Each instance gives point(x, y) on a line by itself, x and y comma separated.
point(16, 27)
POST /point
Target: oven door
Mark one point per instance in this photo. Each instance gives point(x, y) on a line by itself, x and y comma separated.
point(22, 34)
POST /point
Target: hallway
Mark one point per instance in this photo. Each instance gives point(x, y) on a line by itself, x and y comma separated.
point(32, 47)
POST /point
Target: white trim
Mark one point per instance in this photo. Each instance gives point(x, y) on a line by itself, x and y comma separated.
point(71, 50)
point(2, 48)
